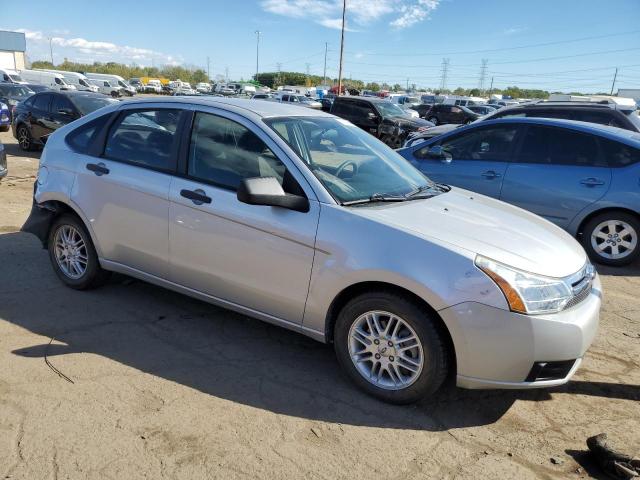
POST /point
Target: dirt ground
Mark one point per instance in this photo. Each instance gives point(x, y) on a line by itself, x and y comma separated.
point(153, 384)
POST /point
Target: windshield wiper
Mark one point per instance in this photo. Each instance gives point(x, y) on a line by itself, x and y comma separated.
point(376, 197)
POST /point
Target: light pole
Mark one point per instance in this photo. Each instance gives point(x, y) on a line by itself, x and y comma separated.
point(344, 11)
point(257, 52)
point(51, 50)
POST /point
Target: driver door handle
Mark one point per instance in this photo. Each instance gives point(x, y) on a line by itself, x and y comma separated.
point(491, 174)
point(591, 182)
point(196, 196)
point(98, 169)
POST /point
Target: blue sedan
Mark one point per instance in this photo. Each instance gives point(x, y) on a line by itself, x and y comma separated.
point(583, 177)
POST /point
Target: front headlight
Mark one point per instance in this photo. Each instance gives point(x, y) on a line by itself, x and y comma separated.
point(526, 292)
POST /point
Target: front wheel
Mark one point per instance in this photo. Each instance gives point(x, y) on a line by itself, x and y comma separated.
point(612, 238)
point(391, 348)
point(73, 255)
point(24, 138)
point(394, 141)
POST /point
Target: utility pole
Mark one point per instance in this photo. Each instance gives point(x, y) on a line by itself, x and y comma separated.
point(308, 65)
point(445, 71)
point(279, 79)
point(407, 90)
point(491, 87)
point(344, 11)
point(615, 75)
point(51, 50)
point(324, 75)
point(226, 74)
point(483, 74)
point(208, 69)
point(257, 52)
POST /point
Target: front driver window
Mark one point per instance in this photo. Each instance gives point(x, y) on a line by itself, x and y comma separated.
point(482, 144)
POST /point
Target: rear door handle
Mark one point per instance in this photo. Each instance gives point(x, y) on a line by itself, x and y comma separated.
point(591, 182)
point(99, 169)
point(491, 175)
point(196, 196)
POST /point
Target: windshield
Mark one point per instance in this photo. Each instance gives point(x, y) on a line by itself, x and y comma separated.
point(350, 163)
point(122, 84)
point(415, 100)
point(16, 91)
point(16, 78)
point(89, 103)
point(389, 109)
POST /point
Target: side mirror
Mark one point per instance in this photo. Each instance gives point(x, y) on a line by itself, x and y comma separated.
point(372, 116)
point(67, 112)
point(267, 191)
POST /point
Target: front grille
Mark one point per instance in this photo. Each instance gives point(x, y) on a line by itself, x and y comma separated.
point(581, 284)
point(578, 298)
point(550, 370)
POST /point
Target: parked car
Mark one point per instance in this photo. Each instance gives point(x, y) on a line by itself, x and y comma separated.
point(137, 84)
point(10, 76)
point(203, 87)
point(262, 96)
point(5, 117)
point(114, 80)
point(12, 94)
point(107, 87)
point(298, 99)
point(43, 113)
point(37, 88)
point(378, 116)
point(154, 86)
point(78, 80)
point(482, 109)
point(411, 281)
point(604, 114)
point(581, 176)
point(441, 113)
point(326, 103)
point(3, 162)
point(54, 81)
point(401, 99)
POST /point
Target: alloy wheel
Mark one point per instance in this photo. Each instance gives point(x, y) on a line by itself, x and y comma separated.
point(385, 350)
point(24, 139)
point(70, 252)
point(614, 239)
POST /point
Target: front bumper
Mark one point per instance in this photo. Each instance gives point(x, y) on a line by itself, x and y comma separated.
point(497, 348)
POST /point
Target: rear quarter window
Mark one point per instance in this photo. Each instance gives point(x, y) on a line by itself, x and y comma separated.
point(80, 140)
point(619, 155)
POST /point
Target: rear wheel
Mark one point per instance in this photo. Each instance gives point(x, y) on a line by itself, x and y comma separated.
point(24, 138)
point(394, 141)
point(73, 255)
point(612, 238)
point(390, 346)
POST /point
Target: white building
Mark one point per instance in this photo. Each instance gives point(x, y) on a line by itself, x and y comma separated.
point(12, 48)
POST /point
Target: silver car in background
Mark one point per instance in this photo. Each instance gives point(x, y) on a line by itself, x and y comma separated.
point(303, 220)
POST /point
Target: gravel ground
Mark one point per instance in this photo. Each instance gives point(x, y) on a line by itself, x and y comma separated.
point(153, 384)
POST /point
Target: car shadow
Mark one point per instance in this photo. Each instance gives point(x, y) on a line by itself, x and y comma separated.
point(13, 149)
point(218, 352)
point(632, 270)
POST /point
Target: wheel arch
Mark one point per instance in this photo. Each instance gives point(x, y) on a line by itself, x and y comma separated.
point(368, 286)
point(587, 218)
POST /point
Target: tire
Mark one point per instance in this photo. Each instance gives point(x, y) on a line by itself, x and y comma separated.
point(393, 141)
point(24, 138)
point(434, 120)
point(4, 129)
point(423, 381)
point(600, 233)
point(92, 275)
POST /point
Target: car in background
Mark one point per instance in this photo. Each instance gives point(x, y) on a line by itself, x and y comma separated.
point(379, 117)
point(203, 87)
point(5, 117)
point(407, 100)
point(412, 282)
point(54, 81)
point(326, 103)
point(137, 84)
point(78, 80)
point(37, 88)
point(297, 99)
point(154, 85)
point(107, 87)
point(482, 109)
point(43, 113)
point(12, 94)
point(3, 162)
point(441, 113)
point(581, 176)
point(603, 114)
point(10, 76)
point(262, 96)
point(115, 80)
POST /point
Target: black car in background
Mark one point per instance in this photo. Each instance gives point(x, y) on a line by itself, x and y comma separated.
point(379, 117)
point(43, 113)
point(440, 114)
point(482, 109)
point(12, 94)
point(37, 88)
point(604, 114)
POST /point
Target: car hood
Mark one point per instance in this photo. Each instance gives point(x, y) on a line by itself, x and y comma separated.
point(482, 225)
point(410, 122)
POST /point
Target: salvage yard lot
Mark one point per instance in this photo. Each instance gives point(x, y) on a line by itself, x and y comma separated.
point(153, 384)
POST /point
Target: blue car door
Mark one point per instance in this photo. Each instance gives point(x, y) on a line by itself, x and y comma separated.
point(475, 159)
point(557, 173)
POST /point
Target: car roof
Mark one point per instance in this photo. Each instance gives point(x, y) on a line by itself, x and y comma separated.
point(366, 99)
point(257, 107)
point(563, 105)
point(614, 133)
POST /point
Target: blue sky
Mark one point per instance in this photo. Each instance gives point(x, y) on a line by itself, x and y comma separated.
point(550, 44)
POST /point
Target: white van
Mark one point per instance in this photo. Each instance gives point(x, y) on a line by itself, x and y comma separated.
point(80, 81)
point(10, 76)
point(464, 101)
point(54, 81)
point(107, 87)
point(115, 80)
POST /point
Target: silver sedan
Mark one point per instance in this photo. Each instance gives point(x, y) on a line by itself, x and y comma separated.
point(303, 220)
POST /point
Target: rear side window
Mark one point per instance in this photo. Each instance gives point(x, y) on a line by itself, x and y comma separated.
point(144, 138)
point(29, 102)
point(341, 108)
point(60, 102)
point(603, 118)
point(41, 102)
point(618, 154)
point(81, 138)
point(559, 146)
point(484, 144)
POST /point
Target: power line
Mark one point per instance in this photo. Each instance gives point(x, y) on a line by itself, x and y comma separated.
point(445, 70)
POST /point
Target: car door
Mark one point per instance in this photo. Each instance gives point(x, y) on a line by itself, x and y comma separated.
point(475, 159)
point(444, 113)
point(556, 173)
point(456, 115)
point(62, 112)
point(38, 115)
point(123, 188)
point(258, 257)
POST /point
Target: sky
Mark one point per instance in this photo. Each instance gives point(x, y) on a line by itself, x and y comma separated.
point(563, 45)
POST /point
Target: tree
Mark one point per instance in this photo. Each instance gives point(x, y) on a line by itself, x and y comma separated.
point(373, 86)
point(396, 87)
